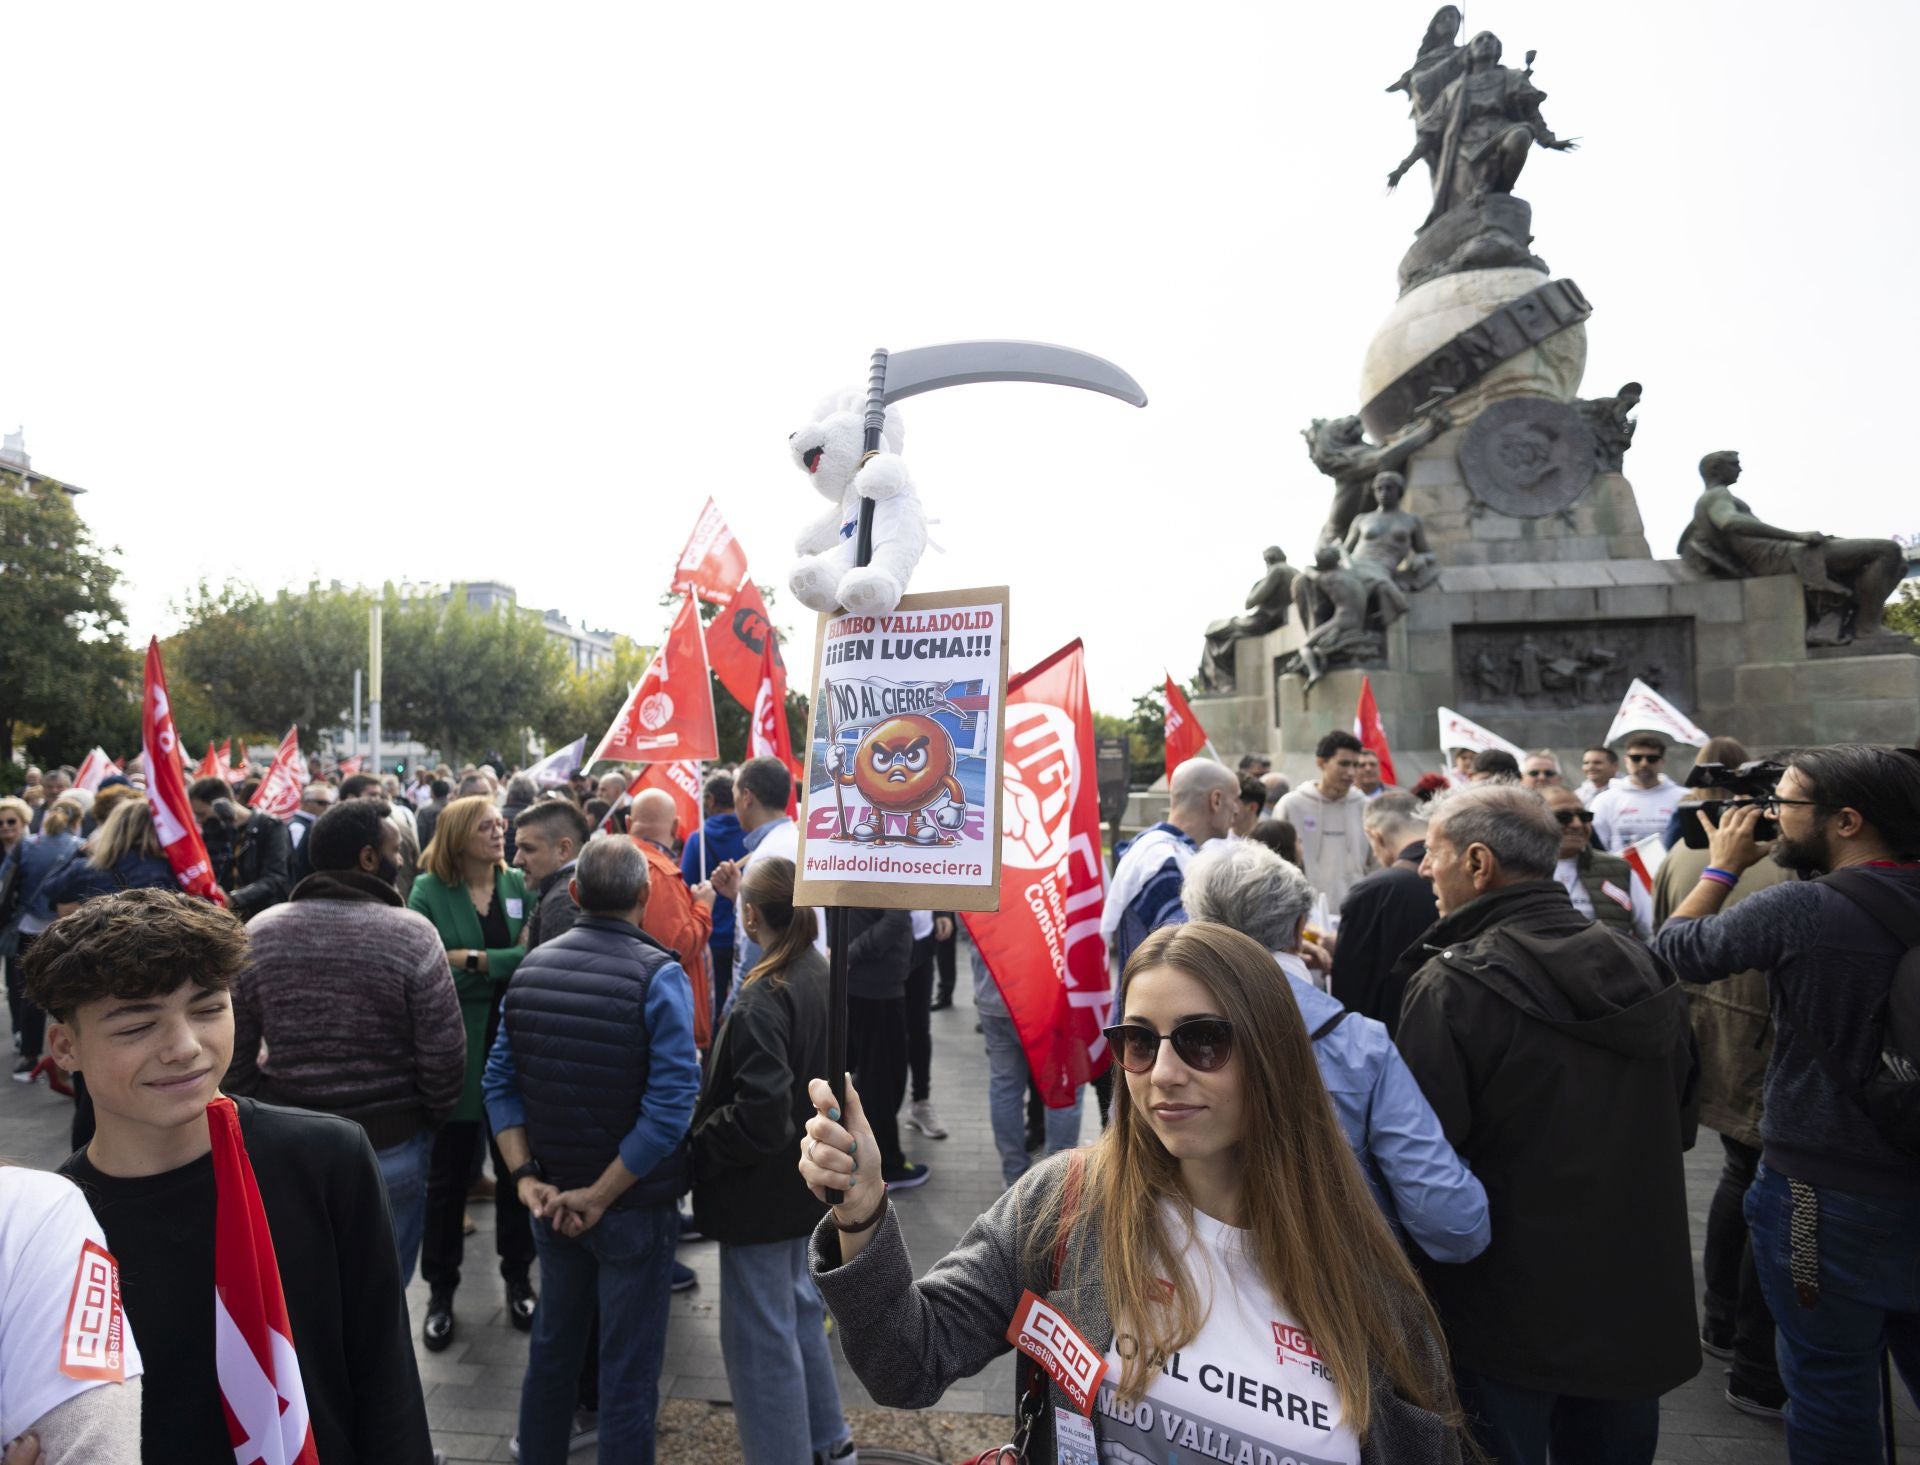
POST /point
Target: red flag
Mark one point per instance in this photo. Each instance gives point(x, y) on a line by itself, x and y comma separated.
point(253, 1346)
point(1043, 945)
point(1372, 733)
point(767, 733)
point(713, 564)
point(279, 791)
point(210, 766)
point(681, 779)
point(670, 714)
point(351, 766)
point(173, 822)
point(239, 772)
point(96, 767)
point(1185, 736)
point(736, 639)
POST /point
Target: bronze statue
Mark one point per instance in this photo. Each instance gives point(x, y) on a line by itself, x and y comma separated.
point(1612, 428)
point(1268, 605)
point(1478, 132)
point(1439, 61)
point(1340, 450)
point(1847, 580)
point(1333, 601)
point(1387, 548)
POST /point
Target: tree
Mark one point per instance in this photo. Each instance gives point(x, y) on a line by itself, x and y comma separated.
point(1148, 731)
point(249, 664)
point(466, 680)
point(1903, 611)
point(587, 701)
point(58, 602)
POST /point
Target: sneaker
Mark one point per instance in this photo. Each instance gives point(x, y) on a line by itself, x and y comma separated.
point(520, 1303)
point(1713, 1347)
point(1758, 1400)
point(586, 1430)
point(437, 1332)
point(684, 1278)
point(907, 1177)
point(920, 1116)
point(690, 1228)
point(839, 1455)
point(23, 1069)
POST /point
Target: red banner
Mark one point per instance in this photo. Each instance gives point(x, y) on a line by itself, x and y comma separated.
point(767, 733)
point(713, 564)
point(173, 821)
point(1185, 736)
point(681, 779)
point(737, 639)
point(1372, 732)
point(1043, 945)
point(670, 714)
point(279, 791)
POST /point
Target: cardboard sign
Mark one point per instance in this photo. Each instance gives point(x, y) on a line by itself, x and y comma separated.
point(904, 756)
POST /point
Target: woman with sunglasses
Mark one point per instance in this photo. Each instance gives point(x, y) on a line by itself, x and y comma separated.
point(1600, 885)
point(1217, 1250)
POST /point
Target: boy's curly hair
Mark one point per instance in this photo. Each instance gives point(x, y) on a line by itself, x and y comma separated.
point(133, 944)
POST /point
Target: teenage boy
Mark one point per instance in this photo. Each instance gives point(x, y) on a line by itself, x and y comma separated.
point(137, 986)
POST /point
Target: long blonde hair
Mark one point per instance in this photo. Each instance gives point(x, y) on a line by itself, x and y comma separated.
point(445, 854)
point(768, 888)
point(128, 830)
point(1316, 1232)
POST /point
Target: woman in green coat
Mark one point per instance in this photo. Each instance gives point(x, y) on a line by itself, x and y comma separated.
point(478, 904)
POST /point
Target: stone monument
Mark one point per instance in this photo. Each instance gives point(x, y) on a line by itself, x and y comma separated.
point(1484, 549)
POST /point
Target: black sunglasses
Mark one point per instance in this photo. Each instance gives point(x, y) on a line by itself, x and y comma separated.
point(1646, 757)
point(1567, 816)
point(1204, 1044)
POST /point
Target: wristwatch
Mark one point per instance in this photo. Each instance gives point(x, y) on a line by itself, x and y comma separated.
point(532, 1167)
point(473, 961)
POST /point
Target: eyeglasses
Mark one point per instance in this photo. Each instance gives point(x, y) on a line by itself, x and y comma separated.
point(1567, 816)
point(1772, 805)
point(1204, 1044)
point(1646, 757)
point(1543, 773)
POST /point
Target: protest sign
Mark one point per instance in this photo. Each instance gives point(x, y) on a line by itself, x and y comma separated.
point(902, 808)
point(1645, 710)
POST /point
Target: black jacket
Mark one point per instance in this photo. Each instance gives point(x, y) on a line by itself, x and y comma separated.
point(879, 952)
point(1559, 1058)
point(333, 1237)
point(1382, 916)
point(262, 866)
point(754, 1107)
point(554, 910)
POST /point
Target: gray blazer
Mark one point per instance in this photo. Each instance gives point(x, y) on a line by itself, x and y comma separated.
point(908, 1340)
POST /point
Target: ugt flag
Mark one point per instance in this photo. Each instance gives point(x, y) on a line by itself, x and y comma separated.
point(1645, 710)
point(681, 780)
point(1372, 733)
point(173, 821)
point(279, 791)
point(669, 716)
point(1043, 945)
point(97, 767)
point(713, 564)
point(1185, 737)
point(253, 1351)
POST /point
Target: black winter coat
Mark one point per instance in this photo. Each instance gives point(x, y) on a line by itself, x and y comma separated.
point(1559, 1058)
point(754, 1108)
point(1382, 916)
point(262, 866)
point(879, 952)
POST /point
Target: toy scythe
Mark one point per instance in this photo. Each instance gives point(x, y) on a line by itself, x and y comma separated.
point(891, 378)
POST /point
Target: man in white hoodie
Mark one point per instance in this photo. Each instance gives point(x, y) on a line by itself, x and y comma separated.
point(1330, 818)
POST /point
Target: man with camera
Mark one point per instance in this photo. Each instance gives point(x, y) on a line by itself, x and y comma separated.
point(1835, 1208)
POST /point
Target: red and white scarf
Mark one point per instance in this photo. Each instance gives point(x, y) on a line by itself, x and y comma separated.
point(260, 1388)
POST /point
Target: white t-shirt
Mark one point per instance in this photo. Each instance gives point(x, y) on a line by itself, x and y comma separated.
point(1626, 812)
point(49, 1326)
point(1249, 1390)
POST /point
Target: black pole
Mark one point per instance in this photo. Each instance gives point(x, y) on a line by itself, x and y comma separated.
point(837, 940)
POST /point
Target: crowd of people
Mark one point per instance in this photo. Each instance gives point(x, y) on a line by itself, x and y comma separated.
point(1389, 1163)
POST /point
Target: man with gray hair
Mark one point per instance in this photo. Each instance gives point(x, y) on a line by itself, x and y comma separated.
point(590, 1088)
point(1386, 912)
point(1202, 798)
point(1420, 1184)
point(1558, 1055)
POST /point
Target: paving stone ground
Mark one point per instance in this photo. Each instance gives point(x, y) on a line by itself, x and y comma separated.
point(473, 1388)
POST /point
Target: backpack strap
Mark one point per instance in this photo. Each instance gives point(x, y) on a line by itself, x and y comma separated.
point(1329, 1025)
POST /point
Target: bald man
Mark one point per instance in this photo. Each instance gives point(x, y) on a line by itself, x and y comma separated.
point(1202, 799)
point(678, 918)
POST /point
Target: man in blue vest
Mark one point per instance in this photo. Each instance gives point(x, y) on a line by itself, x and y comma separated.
point(590, 1088)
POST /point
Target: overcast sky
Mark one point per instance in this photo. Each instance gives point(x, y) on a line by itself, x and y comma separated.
point(476, 291)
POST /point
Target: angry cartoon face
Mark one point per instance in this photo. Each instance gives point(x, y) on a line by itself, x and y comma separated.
point(903, 763)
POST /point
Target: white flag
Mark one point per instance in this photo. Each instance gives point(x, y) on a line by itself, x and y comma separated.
point(1645, 710)
point(97, 766)
point(1463, 732)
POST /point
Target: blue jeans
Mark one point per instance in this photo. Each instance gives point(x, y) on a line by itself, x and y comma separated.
point(404, 1168)
point(625, 1263)
point(1869, 1248)
point(773, 1337)
point(1007, 1100)
point(1526, 1427)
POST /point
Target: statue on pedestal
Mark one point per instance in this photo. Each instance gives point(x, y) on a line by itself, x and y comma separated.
point(1340, 450)
point(1847, 580)
point(1388, 549)
point(1440, 60)
point(1268, 605)
point(1608, 419)
point(1333, 600)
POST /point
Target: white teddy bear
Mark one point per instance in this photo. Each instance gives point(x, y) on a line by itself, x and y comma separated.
point(828, 450)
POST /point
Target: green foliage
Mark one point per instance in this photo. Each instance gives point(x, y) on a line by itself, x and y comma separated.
point(464, 680)
point(588, 701)
point(60, 625)
point(1903, 611)
point(1147, 728)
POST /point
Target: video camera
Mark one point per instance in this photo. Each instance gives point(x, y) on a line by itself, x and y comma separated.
point(1750, 783)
